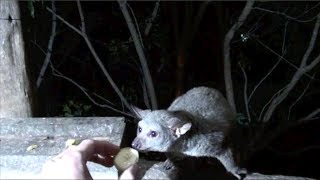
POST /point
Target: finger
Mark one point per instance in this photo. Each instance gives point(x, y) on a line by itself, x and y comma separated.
point(67, 151)
point(106, 148)
point(91, 147)
point(103, 160)
point(130, 173)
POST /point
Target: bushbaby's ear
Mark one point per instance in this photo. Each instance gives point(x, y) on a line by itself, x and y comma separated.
point(183, 129)
point(139, 112)
point(179, 127)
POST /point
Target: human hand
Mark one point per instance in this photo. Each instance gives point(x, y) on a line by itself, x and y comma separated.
point(71, 163)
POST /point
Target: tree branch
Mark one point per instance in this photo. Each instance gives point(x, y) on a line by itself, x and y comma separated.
point(298, 99)
point(311, 115)
point(287, 16)
point(96, 57)
point(55, 72)
point(273, 97)
point(226, 49)
point(137, 27)
point(84, 90)
point(153, 17)
point(245, 95)
point(140, 52)
point(284, 50)
point(297, 75)
point(50, 44)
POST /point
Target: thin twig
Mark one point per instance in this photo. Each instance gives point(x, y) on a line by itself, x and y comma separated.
point(245, 95)
point(273, 97)
point(285, 15)
point(141, 55)
point(226, 48)
point(284, 50)
point(282, 58)
point(311, 44)
point(311, 115)
point(306, 11)
point(65, 22)
point(83, 24)
point(297, 75)
point(52, 67)
point(136, 25)
point(298, 99)
point(96, 57)
point(50, 44)
point(84, 90)
point(153, 17)
point(145, 94)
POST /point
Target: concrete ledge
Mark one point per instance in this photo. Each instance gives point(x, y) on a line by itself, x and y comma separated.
point(50, 135)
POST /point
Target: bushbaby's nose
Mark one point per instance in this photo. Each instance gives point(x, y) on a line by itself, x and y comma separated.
point(136, 144)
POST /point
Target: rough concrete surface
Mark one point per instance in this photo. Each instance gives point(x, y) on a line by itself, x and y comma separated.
point(50, 134)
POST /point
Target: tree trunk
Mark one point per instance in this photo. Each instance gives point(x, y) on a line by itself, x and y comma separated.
point(15, 100)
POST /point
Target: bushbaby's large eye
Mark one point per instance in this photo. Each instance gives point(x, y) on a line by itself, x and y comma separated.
point(139, 129)
point(153, 134)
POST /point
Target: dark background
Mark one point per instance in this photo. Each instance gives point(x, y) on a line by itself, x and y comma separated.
point(291, 153)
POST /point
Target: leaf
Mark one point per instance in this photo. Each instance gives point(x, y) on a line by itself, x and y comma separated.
point(86, 107)
point(32, 147)
point(71, 102)
point(72, 142)
point(66, 109)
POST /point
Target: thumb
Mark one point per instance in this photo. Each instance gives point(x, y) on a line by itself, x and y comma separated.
point(130, 173)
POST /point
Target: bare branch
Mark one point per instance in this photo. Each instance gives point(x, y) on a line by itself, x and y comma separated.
point(198, 18)
point(153, 17)
point(308, 10)
point(280, 56)
point(145, 94)
point(311, 43)
point(106, 73)
point(137, 25)
point(311, 115)
point(65, 22)
point(285, 15)
point(50, 44)
point(140, 52)
point(84, 90)
point(83, 25)
point(226, 48)
point(96, 57)
point(272, 98)
point(297, 75)
point(245, 96)
point(298, 99)
point(284, 50)
point(312, 64)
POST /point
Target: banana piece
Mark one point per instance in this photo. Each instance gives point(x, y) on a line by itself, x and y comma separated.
point(125, 158)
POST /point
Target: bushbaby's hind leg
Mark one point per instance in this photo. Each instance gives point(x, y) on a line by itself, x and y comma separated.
point(228, 162)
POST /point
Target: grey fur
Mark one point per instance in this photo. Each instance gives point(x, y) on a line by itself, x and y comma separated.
point(195, 124)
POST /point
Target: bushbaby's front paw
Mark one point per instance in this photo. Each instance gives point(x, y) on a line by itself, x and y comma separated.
point(168, 164)
point(242, 173)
